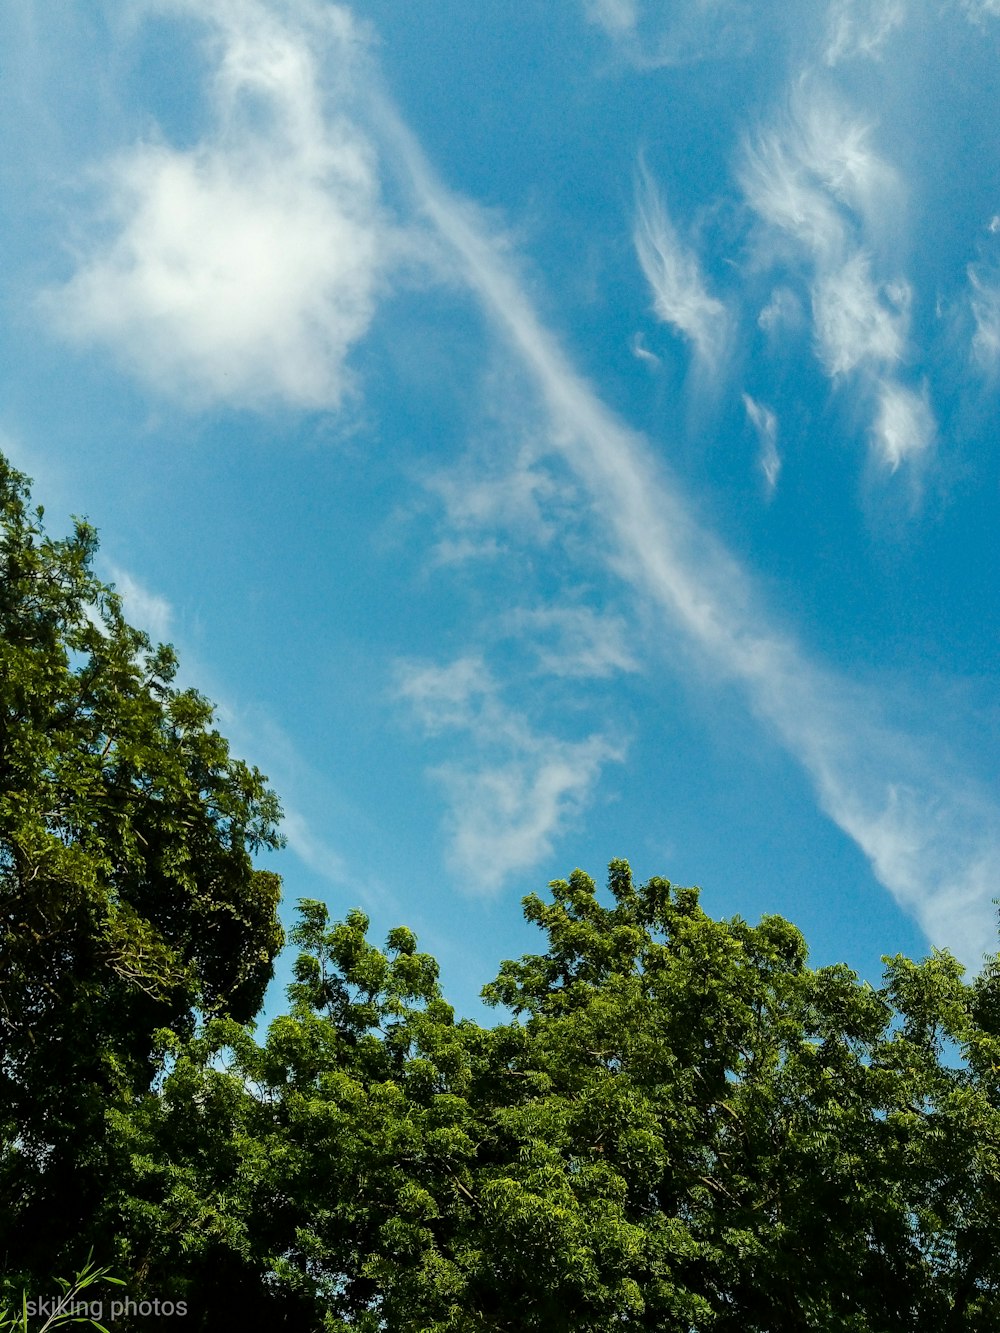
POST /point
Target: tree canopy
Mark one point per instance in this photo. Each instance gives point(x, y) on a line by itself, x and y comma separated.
point(675, 1124)
point(129, 901)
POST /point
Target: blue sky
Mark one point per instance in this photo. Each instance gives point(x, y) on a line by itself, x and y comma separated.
point(549, 431)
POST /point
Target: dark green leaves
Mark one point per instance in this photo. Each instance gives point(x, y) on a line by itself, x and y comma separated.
point(128, 898)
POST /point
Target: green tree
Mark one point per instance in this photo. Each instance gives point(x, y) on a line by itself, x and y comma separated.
point(129, 901)
point(684, 1127)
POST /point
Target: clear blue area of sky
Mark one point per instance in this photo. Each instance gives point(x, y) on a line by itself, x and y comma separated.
point(550, 432)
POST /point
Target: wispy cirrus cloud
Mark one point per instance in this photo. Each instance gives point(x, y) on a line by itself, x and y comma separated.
point(782, 312)
point(655, 36)
point(519, 789)
point(641, 352)
point(573, 641)
point(858, 323)
point(680, 295)
point(616, 17)
point(815, 180)
point(519, 497)
point(241, 271)
point(860, 28)
point(765, 423)
point(984, 302)
point(977, 10)
point(904, 424)
point(932, 839)
point(144, 609)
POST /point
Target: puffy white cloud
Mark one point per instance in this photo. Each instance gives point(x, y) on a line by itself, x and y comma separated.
point(765, 423)
point(680, 297)
point(242, 270)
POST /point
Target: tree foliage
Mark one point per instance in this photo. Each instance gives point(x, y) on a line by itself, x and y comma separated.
point(681, 1126)
point(676, 1124)
point(128, 897)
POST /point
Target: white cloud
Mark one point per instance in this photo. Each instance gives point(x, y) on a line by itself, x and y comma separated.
point(904, 425)
point(783, 194)
point(985, 305)
point(939, 852)
point(910, 833)
point(855, 322)
point(860, 28)
point(680, 297)
point(444, 697)
point(241, 271)
point(573, 641)
point(505, 819)
point(519, 500)
point(980, 9)
point(315, 852)
point(655, 36)
point(816, 180)
point(836, 147)
point(815, 175)
point(641, 352)
point(783, 311)
point(765, 423)
point(145, 610)
point(616, 17)
point(522, 787)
